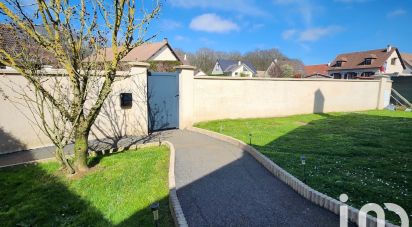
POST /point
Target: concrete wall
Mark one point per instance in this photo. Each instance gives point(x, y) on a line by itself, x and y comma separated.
point(18, 130)
point(221, 98)
point(200, 99)
point(186, 95)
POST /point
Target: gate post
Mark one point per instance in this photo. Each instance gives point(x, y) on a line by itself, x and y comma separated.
point(186, 93)
point(138, 119)
point(384, 92)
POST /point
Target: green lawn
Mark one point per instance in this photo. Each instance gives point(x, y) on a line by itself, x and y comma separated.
point(366, 155)
point(118, 191)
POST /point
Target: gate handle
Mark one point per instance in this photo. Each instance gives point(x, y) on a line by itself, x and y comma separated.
point(176, 95)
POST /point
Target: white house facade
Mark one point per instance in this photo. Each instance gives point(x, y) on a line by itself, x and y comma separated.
point(234, 68)
point(365, 64)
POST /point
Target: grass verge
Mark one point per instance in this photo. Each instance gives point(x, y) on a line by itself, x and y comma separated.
point(366, 155)
point(117, 191)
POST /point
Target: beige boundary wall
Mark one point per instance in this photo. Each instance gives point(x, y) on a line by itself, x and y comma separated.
point(231, 98)
point(200, 99)
point(17, 132)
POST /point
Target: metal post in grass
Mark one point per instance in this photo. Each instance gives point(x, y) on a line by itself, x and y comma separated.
point(303, 161)
point(250, 139)
point(155, 210)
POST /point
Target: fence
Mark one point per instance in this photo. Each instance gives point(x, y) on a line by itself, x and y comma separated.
point(403, 85)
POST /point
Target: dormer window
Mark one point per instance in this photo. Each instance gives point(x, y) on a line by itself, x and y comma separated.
point(338, 64)
point(368, 61)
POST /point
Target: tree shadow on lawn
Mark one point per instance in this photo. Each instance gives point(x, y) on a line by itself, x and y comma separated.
point(365, 156)
point(35, 195)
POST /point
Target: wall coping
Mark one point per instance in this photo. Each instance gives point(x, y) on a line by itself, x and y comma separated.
point(280, 79)
point(301, 188)
point(185, 67)
point(139, 64)
point(58, 72)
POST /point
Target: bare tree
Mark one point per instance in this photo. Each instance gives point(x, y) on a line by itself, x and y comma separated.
point(69, 31)
point(274, 70)
point(287, 71)
point(205, 58)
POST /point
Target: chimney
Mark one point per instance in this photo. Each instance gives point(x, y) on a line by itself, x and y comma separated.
point(275, 60)
point(165, 39)
point(328, 63)
point(239, 63)
point(388, 48)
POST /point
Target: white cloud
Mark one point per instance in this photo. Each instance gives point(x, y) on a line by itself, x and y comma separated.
point(304, 7)
point(397, 12)
point(168, 24)
point(211, 22)
point(314, 34)
point(247, 7)
point(288, 34)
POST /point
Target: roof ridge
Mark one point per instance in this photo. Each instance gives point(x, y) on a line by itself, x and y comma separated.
point(357, 52)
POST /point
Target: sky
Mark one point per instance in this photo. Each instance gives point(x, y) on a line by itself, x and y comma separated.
point(313, 31)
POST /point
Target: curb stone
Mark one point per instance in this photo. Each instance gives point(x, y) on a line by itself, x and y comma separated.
point(174, 204)
point(301, 188)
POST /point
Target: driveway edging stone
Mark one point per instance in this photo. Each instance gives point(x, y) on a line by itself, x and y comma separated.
point(174, 203)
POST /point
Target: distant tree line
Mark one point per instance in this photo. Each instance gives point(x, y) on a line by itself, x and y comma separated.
point(205, 60)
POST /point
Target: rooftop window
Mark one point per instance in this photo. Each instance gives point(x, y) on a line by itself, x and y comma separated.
point(367, 61)
point(338, 63)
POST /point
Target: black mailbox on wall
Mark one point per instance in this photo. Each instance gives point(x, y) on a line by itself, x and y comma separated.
point(126, 100)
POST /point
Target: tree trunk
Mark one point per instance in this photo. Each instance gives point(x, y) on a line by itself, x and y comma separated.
point(61, 158)
point(81, 146)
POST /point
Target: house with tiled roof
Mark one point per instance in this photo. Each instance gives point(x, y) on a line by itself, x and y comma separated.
point(234, 68)
point(407, 59)
point(151, 51)
point(365, 64)
point(18, 44)
point(316, 71)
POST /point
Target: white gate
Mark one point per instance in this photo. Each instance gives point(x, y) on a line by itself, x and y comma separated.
point(163, 100)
